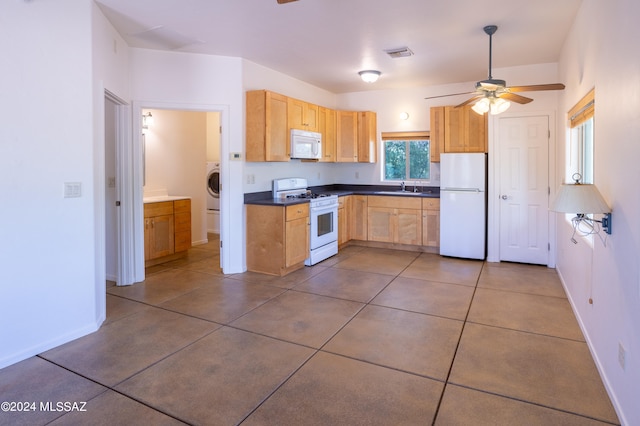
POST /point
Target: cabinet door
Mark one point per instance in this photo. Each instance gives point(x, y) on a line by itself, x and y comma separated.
point(297, 241)
point(367, 137)
point(431, 228)
point(344, 219)
point(476, 128)
point(311, 117)
point(327, 127)
point(182, 213)
point(408, 226)
point(454, 136)
point(431, 222)
point(347, 136)
point(302, 115)
point(267, 129)
point(381, 224)
point(436, 133)
point(161, 238)
point(359, 218)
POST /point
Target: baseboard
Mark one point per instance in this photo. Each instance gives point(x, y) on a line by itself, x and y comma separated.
point(594, 354)
point(49, 344)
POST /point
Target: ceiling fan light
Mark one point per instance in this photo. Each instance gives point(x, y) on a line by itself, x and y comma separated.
point(369, 76)
point(499, 105)
point(481, 106)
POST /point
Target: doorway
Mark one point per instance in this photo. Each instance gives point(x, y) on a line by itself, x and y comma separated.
point(180, 142)
point(523, 189)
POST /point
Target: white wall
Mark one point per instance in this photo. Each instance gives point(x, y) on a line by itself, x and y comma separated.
point(193, 82)
point(602, 52)
point(175, 155)
point(46, 259)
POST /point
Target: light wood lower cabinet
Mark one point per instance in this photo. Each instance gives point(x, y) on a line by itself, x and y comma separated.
point(395, 220)
point(344, 219)
point(359, 218)
point(431, 222)
point(277, 238)
point(167, 230)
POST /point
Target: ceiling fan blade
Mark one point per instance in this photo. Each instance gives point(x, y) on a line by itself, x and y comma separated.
point(515, 98)
point(536, 87)
point(285, 1)
point(468, 101)
point(451, 94)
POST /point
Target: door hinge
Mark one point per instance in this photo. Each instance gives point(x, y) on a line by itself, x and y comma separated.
point(117, 203)
point(220, 129)
point(548, 190)
point(549, 134)
point(548, 246)
point(220, 243)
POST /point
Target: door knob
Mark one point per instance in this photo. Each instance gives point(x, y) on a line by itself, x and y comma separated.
point(504, 197)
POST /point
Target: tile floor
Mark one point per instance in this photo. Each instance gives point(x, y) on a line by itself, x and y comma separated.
point(370, 336)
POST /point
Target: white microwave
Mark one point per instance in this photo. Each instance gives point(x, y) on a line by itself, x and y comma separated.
point(306, 145)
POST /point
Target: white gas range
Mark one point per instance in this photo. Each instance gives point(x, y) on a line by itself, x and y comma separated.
point(323, 215)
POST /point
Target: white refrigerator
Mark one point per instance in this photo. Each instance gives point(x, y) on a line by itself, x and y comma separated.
point(463, 205)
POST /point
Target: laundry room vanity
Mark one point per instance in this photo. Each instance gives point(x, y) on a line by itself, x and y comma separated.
point(167, 228)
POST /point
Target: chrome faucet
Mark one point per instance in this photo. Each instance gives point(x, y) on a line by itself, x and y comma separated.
point(415, 186)
point(402, 186)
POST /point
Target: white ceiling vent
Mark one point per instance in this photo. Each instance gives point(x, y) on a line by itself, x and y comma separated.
point(400, 52)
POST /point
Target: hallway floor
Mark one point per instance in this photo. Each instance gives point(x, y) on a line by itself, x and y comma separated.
point(370, 336)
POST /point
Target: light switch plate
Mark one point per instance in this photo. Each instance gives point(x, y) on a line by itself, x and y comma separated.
point(72, 189)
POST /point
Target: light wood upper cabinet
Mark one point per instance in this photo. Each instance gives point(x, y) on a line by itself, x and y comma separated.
point(436, 133)
point(267, 128)
point(327, 127)
point(367, 136)
point(464, 130)
point(347, 136)
point(302, 115)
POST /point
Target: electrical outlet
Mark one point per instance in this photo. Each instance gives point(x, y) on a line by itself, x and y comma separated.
point(357, 175)
point(622, 356)
point(251, 179)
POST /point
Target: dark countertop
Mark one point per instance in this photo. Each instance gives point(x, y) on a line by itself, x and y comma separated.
point(265, 197)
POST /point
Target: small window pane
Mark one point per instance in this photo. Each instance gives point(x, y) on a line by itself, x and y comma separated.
point(395, 160)
point(419, 160)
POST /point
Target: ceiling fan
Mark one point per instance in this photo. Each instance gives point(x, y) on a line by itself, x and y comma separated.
point(493, 94)
point(285, 1)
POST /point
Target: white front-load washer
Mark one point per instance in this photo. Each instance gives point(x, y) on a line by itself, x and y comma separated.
point(213, 186)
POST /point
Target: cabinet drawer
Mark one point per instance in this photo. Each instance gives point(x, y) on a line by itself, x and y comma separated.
point(431, 203)
point(158, 209)
point(182, 206)
point(407, 202)
point(182, 241)
point(182, 222)
point(297, 211)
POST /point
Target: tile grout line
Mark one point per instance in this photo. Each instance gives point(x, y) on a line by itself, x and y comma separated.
point(455, 352)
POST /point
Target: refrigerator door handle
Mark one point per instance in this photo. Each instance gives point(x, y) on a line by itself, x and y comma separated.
point(461, 189)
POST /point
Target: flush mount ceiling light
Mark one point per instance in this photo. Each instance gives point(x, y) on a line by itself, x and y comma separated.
point(369, 76)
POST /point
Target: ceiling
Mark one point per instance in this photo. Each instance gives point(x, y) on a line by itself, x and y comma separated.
point(326, 42)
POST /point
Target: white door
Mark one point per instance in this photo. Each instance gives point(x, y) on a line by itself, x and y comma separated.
point(524, 189)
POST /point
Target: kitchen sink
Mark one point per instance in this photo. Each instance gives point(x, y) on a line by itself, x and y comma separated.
point(401, 192)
